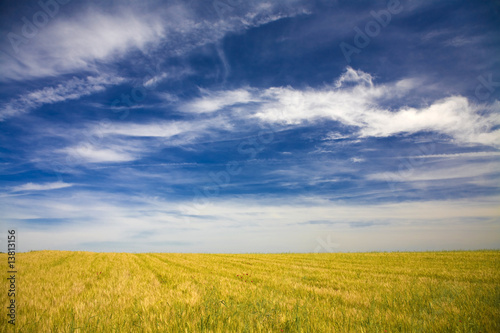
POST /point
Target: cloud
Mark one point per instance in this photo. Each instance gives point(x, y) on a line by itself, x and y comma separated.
point(460, 41)
point(356, 101)
point(72, 89)
point(478, 154)
point(91, 37)
point(276, 224)
point(215, 101)
point(117, 142)
point(76, 42)
point(353, 100)
point(155, 80)
point(440, 172)
point(162, 129)
point(92, 154)
point(354, 76)
point(358, 106)
point(41, 187)
point(454, 116)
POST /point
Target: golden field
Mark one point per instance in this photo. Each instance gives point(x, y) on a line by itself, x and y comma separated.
point(60, 291)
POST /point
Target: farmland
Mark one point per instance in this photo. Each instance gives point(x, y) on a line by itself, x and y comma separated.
point(62, 291)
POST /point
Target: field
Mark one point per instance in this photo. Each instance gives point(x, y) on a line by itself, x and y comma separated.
point(335, 292)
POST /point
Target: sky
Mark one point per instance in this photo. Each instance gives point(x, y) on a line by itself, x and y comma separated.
point(250, 126)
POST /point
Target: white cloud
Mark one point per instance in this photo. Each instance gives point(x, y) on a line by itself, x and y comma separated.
point(454, 116)
point(90, 37)
point(90, 154)
point(123, 142)
point(116, 142)
point(75, 43)
point(354, 76)
point(74, 88)
point(155, 79)
point(40, 187)
point(468, 155)
point(162, 129)
point(358, 107)
point(460, 41)
point(419, 172)
point(214, 101)
point(356, 101)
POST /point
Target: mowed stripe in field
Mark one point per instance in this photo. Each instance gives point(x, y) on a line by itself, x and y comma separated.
point(172, 292)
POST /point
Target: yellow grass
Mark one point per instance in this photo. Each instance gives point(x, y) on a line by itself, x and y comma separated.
point(163, 292)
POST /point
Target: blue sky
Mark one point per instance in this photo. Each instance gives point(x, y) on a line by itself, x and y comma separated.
point(250, 126)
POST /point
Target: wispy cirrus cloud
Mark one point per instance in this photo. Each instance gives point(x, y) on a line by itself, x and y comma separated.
point(92, 154)
point(72, 89)
point(40, 187)
point(78, 42)
point(436, 171)
point(218, 100)
point(469, 155)
point(356, 100)
point(92, 37)
point(89, 40)
point(118, 142)
point(161, 129)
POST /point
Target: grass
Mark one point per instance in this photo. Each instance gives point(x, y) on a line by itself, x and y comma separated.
point(167, 292)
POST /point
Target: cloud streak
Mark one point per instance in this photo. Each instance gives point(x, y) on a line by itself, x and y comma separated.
point(40, 187)
point(72, 89)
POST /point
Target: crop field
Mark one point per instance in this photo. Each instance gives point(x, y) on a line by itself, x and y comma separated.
point(61, 291)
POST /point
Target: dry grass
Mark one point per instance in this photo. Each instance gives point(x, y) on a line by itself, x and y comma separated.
point(362, 292)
